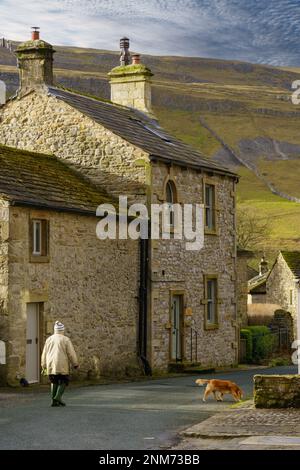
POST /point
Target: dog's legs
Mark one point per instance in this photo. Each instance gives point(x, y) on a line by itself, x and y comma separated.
point(206, 393)
point(220, 397)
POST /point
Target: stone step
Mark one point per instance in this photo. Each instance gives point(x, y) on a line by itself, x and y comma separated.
point(199, 370)
point(190, 368)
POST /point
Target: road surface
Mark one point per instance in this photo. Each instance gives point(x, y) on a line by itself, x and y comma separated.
point(138, 415)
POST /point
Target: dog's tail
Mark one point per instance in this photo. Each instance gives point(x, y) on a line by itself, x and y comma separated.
point(202, 381)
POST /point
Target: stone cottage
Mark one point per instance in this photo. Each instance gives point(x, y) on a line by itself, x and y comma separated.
point(54, 267)
point(187, 307)
point(283, 284)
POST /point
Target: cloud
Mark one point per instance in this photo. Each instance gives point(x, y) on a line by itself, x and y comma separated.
point(264, 31)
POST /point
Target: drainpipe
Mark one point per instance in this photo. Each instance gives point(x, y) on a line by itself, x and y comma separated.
point(143, 304)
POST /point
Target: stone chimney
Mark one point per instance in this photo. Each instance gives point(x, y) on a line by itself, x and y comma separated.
point(2, 93)
point(131, 82)
point(35, 62)
point(263, 266)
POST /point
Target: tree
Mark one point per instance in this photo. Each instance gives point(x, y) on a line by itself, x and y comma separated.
point(252, 231)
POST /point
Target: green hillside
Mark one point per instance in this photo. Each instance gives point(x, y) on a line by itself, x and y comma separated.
point(245, 107)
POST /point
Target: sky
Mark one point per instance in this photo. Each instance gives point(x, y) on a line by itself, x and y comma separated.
point(259, 31)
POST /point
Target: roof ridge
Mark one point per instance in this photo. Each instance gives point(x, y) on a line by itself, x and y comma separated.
point(123, 121)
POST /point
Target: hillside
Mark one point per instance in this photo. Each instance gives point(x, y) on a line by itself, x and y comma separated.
point(237, 113)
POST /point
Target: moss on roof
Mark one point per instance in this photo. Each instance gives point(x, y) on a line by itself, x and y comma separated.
point(292, 259)
point(28, 178)
point(132, 69)
point(36, 44)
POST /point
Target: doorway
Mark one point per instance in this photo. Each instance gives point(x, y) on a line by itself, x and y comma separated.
point(33, 343)
point(177, 327)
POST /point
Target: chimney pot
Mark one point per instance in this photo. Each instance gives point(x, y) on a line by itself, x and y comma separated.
point(136, 59)
point(35, 60)
point(131, 86)
point(35, 33)
point(125, 54)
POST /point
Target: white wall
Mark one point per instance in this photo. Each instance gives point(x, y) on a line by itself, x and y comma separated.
point(2, 92)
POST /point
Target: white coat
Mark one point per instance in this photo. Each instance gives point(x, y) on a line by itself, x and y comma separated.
point(58, 352)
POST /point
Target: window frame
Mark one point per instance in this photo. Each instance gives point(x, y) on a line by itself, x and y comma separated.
point(172, 190)
point(41, 256)
point(214, 207)
point(35, 224)
point(211, 325)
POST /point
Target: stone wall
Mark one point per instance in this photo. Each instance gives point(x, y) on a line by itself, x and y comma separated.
point(4, 240)
point(45, 124)
point(279, 285)
point(277, 391)
point(88, 284)
point(174, 269)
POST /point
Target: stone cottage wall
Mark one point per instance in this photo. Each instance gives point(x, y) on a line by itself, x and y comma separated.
point(45, 124)
point(174, 268)
point(88, 284)
point(4, 238)
point(279, 284)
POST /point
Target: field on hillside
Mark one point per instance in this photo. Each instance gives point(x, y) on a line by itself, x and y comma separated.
point(248, 107)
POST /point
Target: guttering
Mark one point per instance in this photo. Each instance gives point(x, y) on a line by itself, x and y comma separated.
point(36, 205)
point(194, 166)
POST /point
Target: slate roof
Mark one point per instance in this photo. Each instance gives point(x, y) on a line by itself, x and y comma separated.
point(135, 127)
point(43, 181)
point(292, 259)
point(257, 285)
point(251, 272)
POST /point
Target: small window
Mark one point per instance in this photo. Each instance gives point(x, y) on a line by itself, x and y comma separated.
point(211, 301)
point(291, 297)
point(39, 238)
point(171, 200)
point(210, 207)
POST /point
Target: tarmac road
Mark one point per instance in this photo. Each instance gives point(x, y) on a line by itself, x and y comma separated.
point(138, 415)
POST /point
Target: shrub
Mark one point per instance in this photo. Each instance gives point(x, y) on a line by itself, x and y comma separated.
point(263, 342)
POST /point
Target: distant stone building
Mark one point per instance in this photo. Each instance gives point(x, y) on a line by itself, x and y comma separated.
point(283, 283)
point(119, 149)
point(257, 285)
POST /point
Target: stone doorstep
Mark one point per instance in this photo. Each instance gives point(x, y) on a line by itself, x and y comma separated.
point(246, 423)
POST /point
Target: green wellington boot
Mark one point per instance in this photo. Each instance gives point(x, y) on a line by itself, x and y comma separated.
point(54, 388)
point(59, 394)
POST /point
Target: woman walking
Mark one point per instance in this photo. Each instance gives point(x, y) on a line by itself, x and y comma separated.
point(57, 354)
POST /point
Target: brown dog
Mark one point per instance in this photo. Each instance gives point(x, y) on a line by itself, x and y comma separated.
point(219, 388)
